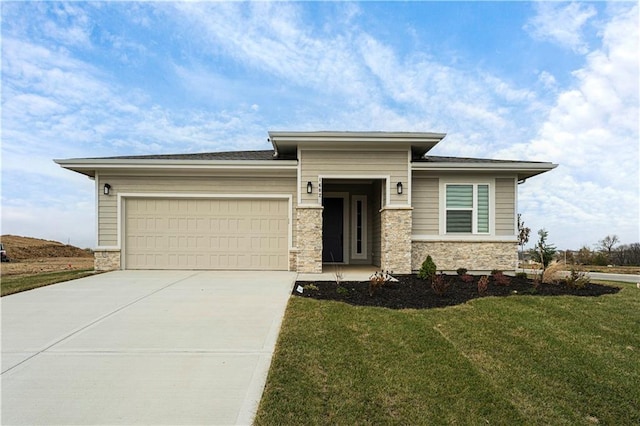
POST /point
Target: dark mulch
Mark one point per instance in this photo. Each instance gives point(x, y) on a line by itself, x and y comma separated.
point(412, 292)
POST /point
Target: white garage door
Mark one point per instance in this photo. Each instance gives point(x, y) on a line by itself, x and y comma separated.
point(206, 234)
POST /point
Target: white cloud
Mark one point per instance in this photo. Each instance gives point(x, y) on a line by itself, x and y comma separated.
point(547, 79)
point(561, 23)
point(592, 132)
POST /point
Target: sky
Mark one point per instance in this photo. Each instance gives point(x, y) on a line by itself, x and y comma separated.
point(548, 81)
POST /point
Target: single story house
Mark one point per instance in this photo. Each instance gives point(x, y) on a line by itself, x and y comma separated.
point(374, 198)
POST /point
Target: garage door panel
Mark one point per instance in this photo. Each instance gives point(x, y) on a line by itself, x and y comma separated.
point(206, 234)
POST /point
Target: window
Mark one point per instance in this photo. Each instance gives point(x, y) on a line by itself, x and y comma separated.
point(467, 208)
point(359, 226)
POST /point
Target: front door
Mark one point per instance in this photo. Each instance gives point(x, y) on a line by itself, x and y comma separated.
point(332, 230)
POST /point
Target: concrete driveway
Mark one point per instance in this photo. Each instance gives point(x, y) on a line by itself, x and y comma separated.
point(141, 347)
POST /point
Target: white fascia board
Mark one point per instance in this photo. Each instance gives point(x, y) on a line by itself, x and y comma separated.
point(90, 166)
point(523, 170)
point(355, 136)
point(172, 164)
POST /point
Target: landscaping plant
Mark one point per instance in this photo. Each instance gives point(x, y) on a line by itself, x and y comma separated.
point(577, 279)
point(483, 285)
point(500, 279)
point(544, 251)
point(428, 269)
point(467, 278)
point(461, 271)
point(377, 280)
point(440, 284)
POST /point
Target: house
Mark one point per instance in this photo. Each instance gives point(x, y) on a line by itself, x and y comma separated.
point(374, 198)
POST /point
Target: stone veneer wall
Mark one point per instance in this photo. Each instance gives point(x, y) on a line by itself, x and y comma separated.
point(396, 239)
point(309, 239)
point(473, 255)
point(106, 260)
point(293, 260)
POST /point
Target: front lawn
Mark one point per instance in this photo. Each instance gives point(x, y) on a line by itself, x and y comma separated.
point(17, 283)
point(495, 360)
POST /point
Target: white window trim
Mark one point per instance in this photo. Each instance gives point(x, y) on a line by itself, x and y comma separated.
point(443, 206)
point(354, 227)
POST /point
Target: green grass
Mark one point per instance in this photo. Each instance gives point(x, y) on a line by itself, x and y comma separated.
point(515, 360)
point(16, 284)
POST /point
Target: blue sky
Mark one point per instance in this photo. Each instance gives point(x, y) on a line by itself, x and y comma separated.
point(550, 81)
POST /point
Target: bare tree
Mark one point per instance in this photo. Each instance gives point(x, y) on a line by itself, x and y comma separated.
point(606, 244)
point(523, 235)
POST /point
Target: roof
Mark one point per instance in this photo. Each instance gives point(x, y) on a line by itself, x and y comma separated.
point(229, 160)
point(523, 169)
point(287, 143)
point(224, 155)
point(440, 159)
point(284, 155)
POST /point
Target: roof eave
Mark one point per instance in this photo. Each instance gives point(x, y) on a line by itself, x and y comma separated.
point(523, 170)
point(420, 142)
point(90, 166)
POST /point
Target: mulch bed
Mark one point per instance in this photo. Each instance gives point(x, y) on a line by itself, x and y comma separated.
point(410, 292)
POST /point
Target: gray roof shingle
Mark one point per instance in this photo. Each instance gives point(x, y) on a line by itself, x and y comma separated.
point(439, 159)
point(266, 155)
point(225, 155)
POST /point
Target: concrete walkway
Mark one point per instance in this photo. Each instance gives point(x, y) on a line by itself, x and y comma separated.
point(141, 347)
point(347, 272)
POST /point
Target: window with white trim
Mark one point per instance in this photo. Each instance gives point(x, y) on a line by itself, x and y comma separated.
point(467, 208)
point(359, 227)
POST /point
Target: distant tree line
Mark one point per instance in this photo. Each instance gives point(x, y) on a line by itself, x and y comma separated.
point(623, 255)
point(607, 252)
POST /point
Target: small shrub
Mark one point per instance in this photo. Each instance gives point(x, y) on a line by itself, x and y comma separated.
point(483, 285)
point(428, 269)
point(522, 275)
point(440, 284)
point(378, 280)
point(311, 287)
point(577, 279)
point(467, 278)
point(495, 271)
point(501, 279)
point(342, 290)
point(461, 271)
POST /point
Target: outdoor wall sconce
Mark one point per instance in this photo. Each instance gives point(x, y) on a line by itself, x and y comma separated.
point(309, 187)
point(399, 188)
point(107, 188)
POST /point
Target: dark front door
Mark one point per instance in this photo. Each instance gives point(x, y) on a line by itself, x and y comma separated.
point(332, 230)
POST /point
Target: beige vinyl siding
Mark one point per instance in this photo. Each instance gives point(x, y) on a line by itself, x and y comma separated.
point(425, 200)
point(329, 163)
point(505, 206)
point(107, 205)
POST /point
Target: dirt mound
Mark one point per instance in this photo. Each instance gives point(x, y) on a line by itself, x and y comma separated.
point(20, 248)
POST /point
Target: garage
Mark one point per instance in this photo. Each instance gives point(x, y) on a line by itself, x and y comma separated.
point(197, 233)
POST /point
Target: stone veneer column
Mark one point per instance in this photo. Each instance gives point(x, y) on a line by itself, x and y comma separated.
point(106, 260)
point(309, 239)
point(395, 238)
